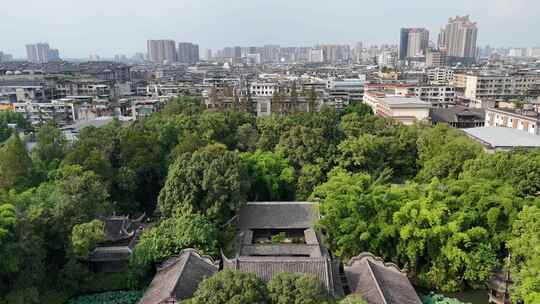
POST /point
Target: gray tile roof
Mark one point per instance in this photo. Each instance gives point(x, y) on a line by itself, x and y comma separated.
point(267, 267)
point(453, 114)
point(179, 277)
point(378, 282)
point(111, 253)
point(278, 215)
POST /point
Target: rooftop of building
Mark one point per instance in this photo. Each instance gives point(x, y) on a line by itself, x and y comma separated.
point(503, 138)
point(524, 113)
point(454, 114)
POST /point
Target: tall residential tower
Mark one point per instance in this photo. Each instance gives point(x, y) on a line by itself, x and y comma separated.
point(458, 38)
point(161, 51)
point(413, 43)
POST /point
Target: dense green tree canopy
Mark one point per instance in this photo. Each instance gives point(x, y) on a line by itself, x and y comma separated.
point(272, 177)
point(525, 251)
point(50, 149)
point(231, 287)
point(212, 182)
point(426, 198)
point(8, 119)
point(85, 237)
point(173, 235)
point(15, 164)
point(286, 288)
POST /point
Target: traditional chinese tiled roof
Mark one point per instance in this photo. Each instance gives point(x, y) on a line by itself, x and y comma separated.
point(179, 277)
point(378, 282)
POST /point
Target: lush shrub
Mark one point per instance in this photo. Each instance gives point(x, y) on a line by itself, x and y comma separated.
point(117, 297)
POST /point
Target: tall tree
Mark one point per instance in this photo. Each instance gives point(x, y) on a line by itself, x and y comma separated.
point(294, 98)
point(525, 251)
point(15, 164)
point(231, 287)
point(50, 149)
point(287, 288)
point(312, 100)
point(212, 182)
point(173, 235)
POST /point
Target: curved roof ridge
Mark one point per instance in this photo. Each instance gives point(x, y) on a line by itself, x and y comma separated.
point(190, 251)
point(376, 259)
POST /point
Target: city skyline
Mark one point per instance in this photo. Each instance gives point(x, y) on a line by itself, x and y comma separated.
point(125, 27)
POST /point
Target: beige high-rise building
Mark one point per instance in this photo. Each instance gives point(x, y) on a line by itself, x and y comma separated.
point(417, 43)
point(459, 38)
point(161, 51)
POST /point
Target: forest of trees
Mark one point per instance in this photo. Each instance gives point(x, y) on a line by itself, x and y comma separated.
point(426, 198)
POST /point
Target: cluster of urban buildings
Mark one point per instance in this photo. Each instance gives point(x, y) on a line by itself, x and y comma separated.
point(166, 52)
point(41, 53)
point(451, 81)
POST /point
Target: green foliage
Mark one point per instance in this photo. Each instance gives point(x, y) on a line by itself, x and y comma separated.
point(357, 214)
point(353, 299)
point(302, 145)
point(272, 178)
point(525, 250)
point(443, 152)
point(50, 148)
point(11, 118)
point(115, 297)
point(95, 150)
point(212, 181)
point(286, 288)
point(85, 237)
point(438, 299)
point(183, 105)
point(173, 235)
point(231, 287)
point(15, 164)
point(425, 198)
point(371, 150)
point(520, 168)
point(79, 197)
point(309, 177)
point(448, 234)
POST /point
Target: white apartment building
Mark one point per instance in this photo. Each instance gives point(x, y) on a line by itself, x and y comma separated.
point(490, 86)
point(346, 90)
point(36, 113)
point(404, 109)
point(524, 120)
point(316, 56)
point(438, 76)
point(263, 89)
point(437, 96)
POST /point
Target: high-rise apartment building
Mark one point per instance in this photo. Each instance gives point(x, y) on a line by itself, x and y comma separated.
point(413, 43)
point(188, 52)
point(38, 53)
point(54, 55)
point(459, 37)
point(161, 51)
point(5, 57)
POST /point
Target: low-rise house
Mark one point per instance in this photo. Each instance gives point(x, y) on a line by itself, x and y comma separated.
point(520, 119)
point(458, 117)
point(178, 278)
point(404, 109)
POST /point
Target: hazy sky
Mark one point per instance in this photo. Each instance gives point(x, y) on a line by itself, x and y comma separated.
point(107, 27)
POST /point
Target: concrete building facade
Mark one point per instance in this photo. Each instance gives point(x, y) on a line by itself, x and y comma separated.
point(161, 51)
